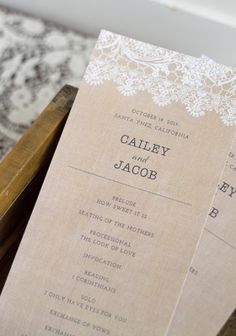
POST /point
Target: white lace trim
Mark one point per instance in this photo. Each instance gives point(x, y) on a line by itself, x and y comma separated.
point(199, 83)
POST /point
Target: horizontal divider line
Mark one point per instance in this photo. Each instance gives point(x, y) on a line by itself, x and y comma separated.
point(130, 186)
point(218, 237)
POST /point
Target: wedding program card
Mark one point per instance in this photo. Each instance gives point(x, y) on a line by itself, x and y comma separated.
point(209, 293)
point(117, 221)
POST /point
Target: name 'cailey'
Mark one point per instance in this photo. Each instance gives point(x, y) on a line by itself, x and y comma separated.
point(145, 145)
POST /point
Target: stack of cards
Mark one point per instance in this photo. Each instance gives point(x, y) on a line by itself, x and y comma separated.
point(130, 234)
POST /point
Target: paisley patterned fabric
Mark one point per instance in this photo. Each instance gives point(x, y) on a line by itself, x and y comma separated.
point(36, 59)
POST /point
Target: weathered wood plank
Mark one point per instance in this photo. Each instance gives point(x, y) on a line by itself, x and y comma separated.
point(23, 169)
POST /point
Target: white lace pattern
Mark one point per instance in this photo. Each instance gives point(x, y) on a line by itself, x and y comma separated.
point(200, 84)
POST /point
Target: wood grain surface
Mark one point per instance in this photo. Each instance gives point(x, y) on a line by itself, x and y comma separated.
point(22, 172)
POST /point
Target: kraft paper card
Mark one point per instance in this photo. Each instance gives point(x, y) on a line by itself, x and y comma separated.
point(209, 293)
point(127, 194)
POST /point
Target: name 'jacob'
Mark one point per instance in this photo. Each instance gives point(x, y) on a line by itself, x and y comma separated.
point(144, 145)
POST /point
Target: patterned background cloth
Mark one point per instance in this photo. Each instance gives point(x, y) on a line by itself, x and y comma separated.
point(36, 59)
